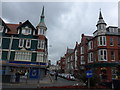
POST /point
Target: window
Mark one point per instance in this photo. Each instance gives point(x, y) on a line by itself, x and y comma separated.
point(23, 56)
point(111, 41)
point(102, 55)
point(26, 30)
point(28, 43)
point(118, 55)
point(90, 57)
point(118, 41)
point(39, 57)
point(40, 44)
point(82, 50)
point(0, 54)
point(82, 60)
point(0, 41)
point(41, 31)
point(21, 43)
point(1, 28)
point(6, 30)
point(102, 41)
point(112, 55)
point(90, 45)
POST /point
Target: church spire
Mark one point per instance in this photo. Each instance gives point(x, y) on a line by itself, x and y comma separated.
point(42, 22)
point(101, 23)
point(42, 15)
point(100, 15)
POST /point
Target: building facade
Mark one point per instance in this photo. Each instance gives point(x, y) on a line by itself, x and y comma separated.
point(24, 47)
point(99, 53)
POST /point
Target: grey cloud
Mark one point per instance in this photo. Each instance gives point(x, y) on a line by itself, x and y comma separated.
point(65, 21)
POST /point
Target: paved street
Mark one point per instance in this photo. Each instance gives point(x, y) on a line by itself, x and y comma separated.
point(48, 81)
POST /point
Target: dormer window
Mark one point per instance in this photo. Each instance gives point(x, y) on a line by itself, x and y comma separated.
point(6, 30)
point(1, 28)
point(26, 30)
point(0, 41)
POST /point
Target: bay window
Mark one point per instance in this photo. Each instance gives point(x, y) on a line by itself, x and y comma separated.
point(22, 56)
point(102, 55)
point(101, 41)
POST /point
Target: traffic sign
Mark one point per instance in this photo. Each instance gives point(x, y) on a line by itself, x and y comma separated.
point(89, 74)
point(34, 73)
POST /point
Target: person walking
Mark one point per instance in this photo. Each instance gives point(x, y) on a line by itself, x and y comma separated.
point(56, 75)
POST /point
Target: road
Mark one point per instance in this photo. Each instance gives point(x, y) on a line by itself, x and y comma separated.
point(46, 82)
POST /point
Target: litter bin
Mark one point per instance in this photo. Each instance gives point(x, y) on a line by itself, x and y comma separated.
point(116, 84)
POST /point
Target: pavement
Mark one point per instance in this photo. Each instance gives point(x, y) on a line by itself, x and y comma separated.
point(24, 83)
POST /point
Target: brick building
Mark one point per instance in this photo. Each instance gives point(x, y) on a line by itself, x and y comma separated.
point(99, 53)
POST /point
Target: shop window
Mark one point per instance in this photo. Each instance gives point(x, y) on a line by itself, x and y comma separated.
point(23, 56)
point(39, 57)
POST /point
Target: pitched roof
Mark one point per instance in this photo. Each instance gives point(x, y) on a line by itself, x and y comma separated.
point(13, 28)
point(70, 50)
point(26, 22)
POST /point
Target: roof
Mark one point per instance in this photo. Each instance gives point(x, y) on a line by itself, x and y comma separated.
point(70, 50)
point(13, 27)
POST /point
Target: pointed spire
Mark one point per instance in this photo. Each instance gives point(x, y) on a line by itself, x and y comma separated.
point(42, 23)
point(100, 15)
point(42, 15)
point(101, 20)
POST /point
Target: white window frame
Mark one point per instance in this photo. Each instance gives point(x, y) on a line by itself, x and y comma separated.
point(41, 44)
point(82, 61)
point(90, 45)
point(6, 30)
point(102, 41)
point(82, 50)
point(21, 40)
point(111, 40)
point(28, 41)
point(90, 57)
point(102, 57)
point(25, 30)
point(0, 41)
point(1, 28)
point(40, 57)
point(113, 56)
point(23, 56)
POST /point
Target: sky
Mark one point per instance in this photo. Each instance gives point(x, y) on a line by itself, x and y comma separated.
point(66, 21)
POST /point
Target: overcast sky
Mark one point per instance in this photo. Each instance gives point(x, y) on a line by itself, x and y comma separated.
point(66, 21)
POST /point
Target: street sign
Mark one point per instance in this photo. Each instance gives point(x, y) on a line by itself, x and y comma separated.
point(34, 73)
point(89, 74)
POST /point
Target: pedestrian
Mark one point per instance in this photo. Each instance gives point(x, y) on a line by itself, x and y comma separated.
point(17, 79)
point(56, 75)
point(12, 77)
